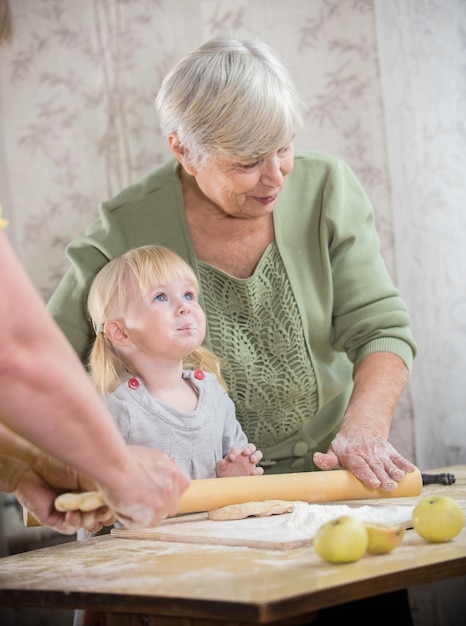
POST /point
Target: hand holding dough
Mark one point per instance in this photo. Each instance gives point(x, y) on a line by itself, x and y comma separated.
point(248, 509)
point(86, 501)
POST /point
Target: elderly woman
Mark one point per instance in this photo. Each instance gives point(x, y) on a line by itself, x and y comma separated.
point(313, 336)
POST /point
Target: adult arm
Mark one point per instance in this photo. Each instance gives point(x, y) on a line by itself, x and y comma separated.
point(361, 446)
point(46, 397)
point(372, 326)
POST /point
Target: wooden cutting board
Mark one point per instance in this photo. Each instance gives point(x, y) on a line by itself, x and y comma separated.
point(276, 532)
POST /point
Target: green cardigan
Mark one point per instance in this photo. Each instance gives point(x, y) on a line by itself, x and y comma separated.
point(325, 232)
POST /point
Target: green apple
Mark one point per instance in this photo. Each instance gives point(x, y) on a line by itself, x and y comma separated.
point(437, 518)
point(384, 538)
point(341, 540)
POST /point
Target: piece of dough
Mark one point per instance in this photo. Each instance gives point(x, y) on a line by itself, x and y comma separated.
point(86, 501)
point(248, 509)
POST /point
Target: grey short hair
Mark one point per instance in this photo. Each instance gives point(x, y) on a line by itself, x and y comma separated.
point(230, 96)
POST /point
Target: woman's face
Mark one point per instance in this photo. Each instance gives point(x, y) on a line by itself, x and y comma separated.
point(242, 188)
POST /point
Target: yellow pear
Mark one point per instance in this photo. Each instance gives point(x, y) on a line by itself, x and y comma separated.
point(383, 538)
point(341, 540)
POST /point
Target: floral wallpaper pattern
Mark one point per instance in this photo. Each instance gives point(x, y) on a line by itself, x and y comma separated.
point(80, 80)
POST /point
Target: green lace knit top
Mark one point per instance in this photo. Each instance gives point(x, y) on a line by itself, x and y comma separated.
point(255, 328)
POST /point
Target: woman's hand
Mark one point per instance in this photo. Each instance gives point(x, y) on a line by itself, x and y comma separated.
point(362, 445)
point(240, 462)
point(368, 456)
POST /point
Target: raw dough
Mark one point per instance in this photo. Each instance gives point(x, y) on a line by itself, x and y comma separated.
point(86, 501)
point(247, 509)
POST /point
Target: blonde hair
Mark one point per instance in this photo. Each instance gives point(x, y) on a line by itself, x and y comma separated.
point(230, 96)
point(151, 266)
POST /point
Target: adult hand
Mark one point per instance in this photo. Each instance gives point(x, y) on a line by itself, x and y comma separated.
point(148, 491)
point(368, 456)
point(45, 479)
point(362, 445)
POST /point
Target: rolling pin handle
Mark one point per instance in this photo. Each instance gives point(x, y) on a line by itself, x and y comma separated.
point(438, 479)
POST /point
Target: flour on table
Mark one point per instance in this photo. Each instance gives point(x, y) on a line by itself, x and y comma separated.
point(310, 517)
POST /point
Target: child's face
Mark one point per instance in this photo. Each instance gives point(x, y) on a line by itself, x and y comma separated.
point(169, 324)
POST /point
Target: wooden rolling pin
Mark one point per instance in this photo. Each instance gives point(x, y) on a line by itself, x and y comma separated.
point(213, 493)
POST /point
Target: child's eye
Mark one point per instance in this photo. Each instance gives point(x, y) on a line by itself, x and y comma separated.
point(189, 295)
point(160, 297)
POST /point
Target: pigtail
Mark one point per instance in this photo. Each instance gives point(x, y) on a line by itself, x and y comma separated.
point(105, 366)
point(204, 359)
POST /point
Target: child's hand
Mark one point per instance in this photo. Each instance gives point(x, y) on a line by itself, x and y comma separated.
point(240, 462)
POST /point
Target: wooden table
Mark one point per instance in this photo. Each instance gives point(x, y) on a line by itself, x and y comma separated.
point(192, 584)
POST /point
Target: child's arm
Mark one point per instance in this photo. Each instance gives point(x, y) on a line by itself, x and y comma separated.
point(240, 462)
